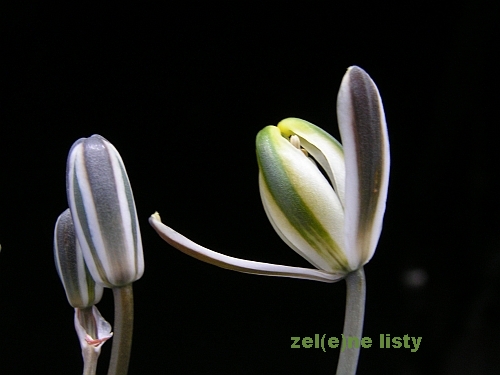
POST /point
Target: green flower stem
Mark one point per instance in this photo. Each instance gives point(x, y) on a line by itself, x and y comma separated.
point(90, 357)
point(353, 322)
point(123, 327)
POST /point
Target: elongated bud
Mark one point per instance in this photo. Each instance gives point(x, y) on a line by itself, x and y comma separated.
point(80, 287)
point(103, 210)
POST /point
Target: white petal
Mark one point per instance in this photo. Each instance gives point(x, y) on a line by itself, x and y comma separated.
point(289, 234)
point(102, 327)
point(246, 266)
point(300, 202)
point(322, 146)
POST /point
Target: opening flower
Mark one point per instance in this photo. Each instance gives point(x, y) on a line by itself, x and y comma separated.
point(324, 199)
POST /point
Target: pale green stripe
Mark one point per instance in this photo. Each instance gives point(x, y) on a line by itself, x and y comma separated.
point(300, 216)
point(84, 225)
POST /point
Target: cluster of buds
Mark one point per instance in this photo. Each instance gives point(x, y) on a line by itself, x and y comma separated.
point(97, 241)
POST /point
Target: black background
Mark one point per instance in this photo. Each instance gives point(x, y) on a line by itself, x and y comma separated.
point(182, 92)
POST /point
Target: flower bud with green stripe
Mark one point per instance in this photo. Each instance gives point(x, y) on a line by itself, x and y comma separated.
point(103, 210)
point(81, 289)
point(324, 199)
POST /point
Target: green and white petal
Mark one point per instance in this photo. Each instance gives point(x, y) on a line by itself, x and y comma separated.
point(103, 210)
point(81, 289)
point(366, 149)
point(190, 248)
point(300, 202)
point(325, 149)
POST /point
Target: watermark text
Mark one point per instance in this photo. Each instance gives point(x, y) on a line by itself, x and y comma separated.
point(385, 341)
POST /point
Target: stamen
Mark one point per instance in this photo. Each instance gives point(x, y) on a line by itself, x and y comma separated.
point(295, 141)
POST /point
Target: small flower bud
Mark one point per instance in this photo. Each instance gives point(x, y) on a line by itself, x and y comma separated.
point(81, 289)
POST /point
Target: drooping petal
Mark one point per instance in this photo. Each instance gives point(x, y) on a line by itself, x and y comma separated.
point(366, 148)
point(81, 289)
point(322, 146)
point(103, 210)
point(300, 202)
point(190, 248)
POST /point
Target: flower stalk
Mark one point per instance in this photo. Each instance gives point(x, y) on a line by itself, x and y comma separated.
point(124, 325)
point(353, 321)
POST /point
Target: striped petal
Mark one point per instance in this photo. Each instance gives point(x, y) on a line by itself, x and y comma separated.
point(366, 148)
point(81, 289)
point(103, 211)
point(300, 203)
point(190, 248)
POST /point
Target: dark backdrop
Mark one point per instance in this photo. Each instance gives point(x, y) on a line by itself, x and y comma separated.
point(182, 92)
